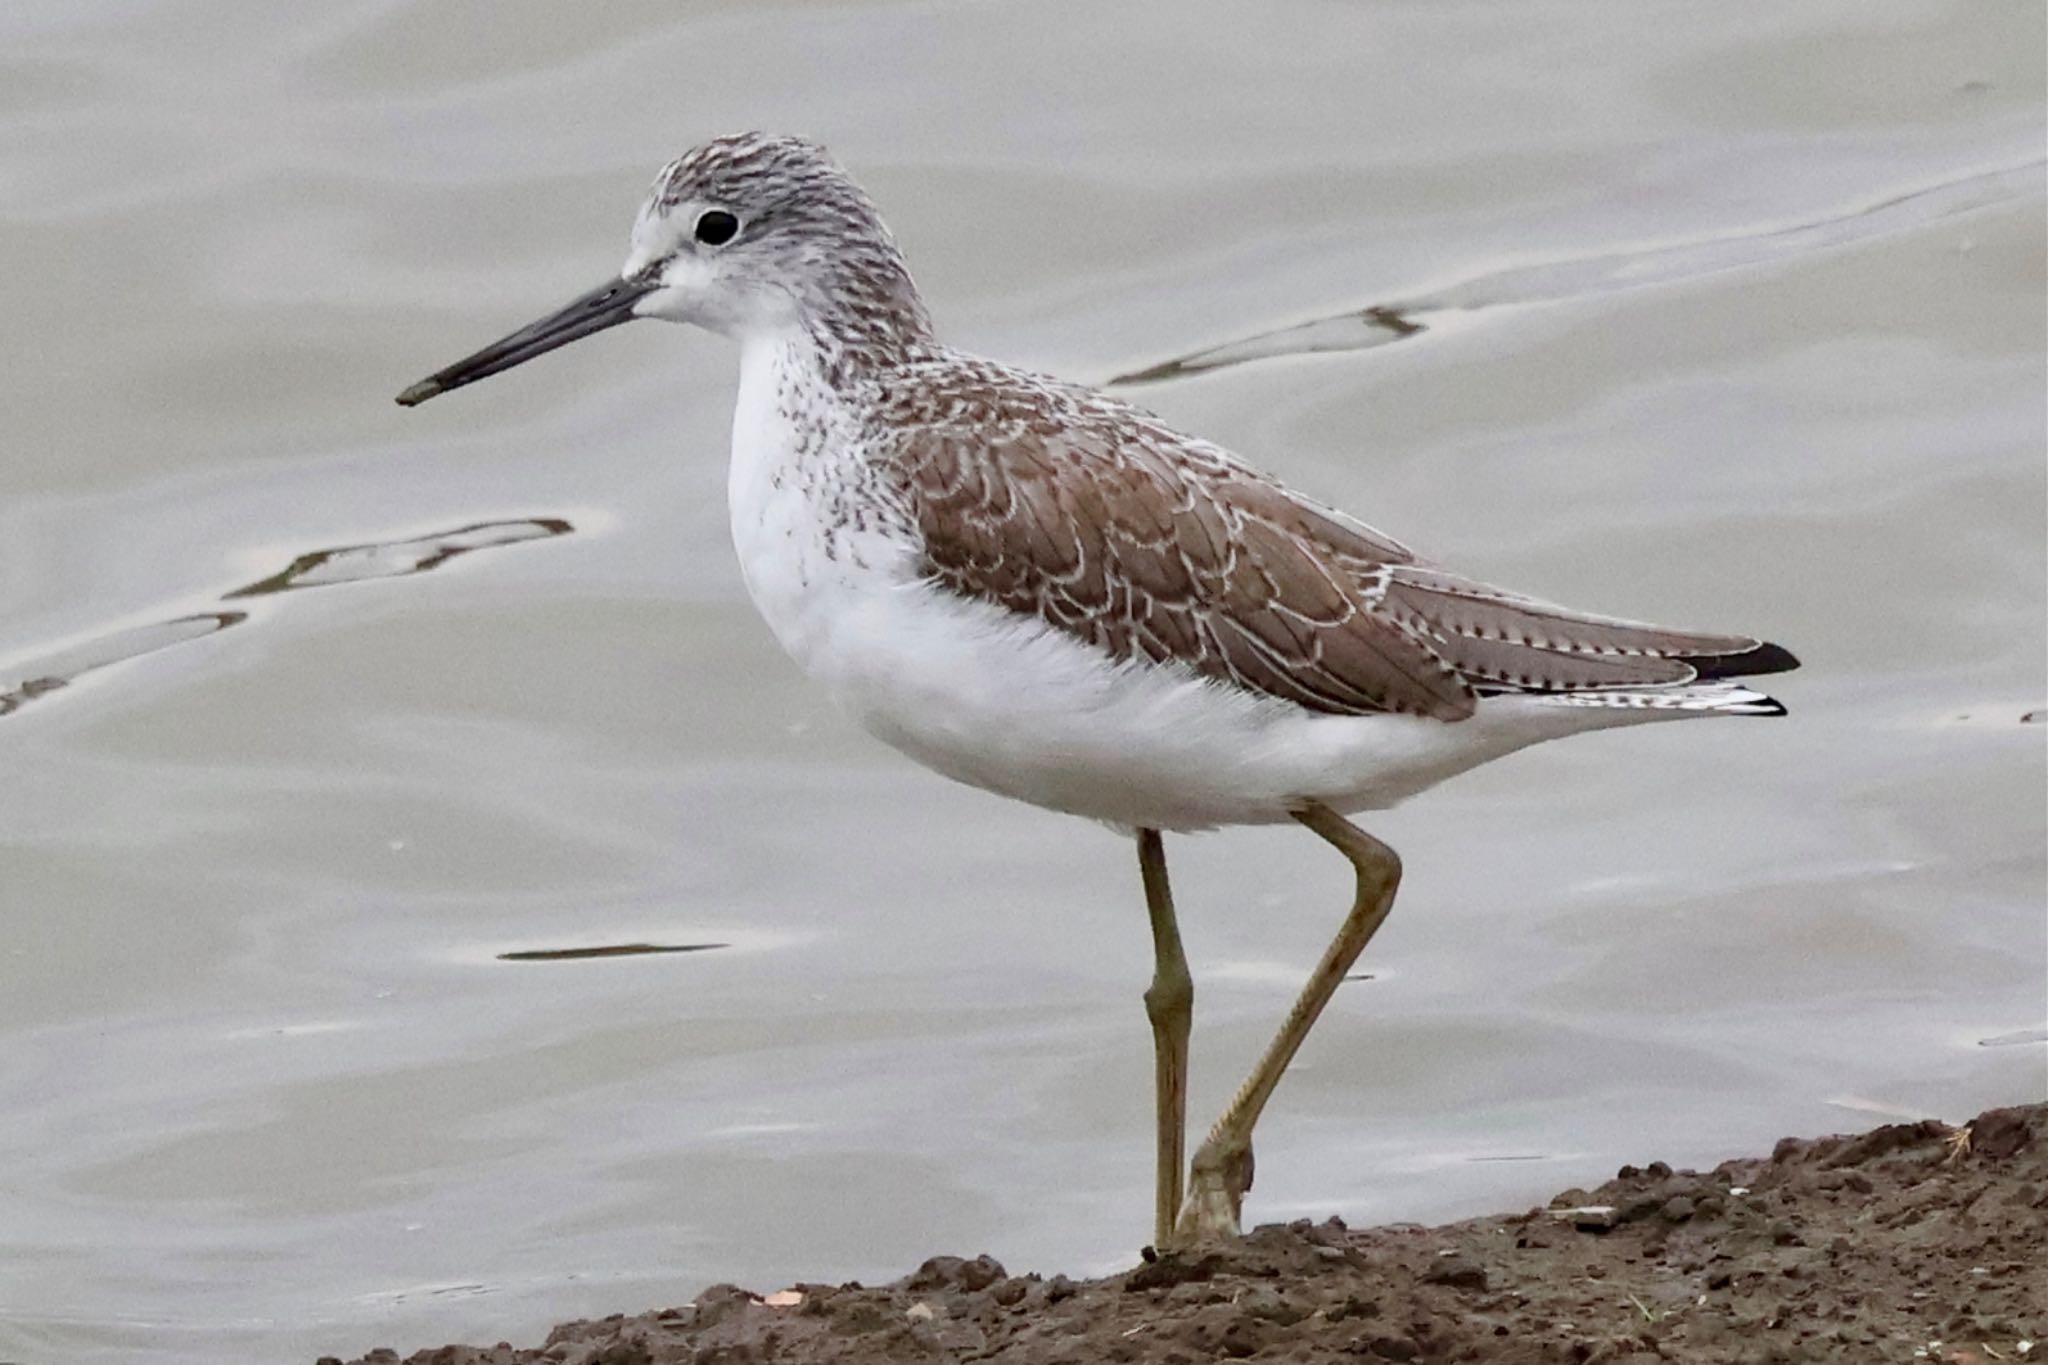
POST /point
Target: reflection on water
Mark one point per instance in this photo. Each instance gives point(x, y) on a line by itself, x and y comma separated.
point(1359, 331)
point(39, 676)
point(1383, 323)
point(36, 678)
point(396, 558)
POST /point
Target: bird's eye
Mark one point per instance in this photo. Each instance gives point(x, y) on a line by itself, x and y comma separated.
point(717, 227)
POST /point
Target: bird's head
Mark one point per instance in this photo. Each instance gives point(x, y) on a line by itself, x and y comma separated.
point(746, 235)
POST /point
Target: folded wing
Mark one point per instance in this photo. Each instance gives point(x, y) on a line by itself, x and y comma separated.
point(1107, 525)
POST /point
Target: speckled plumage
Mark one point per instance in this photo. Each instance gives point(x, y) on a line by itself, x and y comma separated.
point(1225, 613)
point(838, 258)
point(1057, 502)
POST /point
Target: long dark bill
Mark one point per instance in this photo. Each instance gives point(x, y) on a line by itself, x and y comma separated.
point(608, 305)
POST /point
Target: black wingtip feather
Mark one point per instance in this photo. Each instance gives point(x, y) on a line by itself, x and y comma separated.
point(1750, 663)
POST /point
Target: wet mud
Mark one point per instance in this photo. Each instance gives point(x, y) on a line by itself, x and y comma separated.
point(1910, 1242)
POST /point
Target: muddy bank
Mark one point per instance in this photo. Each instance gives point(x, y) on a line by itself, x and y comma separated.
point(1909, 1242)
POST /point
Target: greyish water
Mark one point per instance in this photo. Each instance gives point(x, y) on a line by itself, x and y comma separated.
point(317, 711)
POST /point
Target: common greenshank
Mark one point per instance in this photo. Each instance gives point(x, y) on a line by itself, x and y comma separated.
point(1045, 592)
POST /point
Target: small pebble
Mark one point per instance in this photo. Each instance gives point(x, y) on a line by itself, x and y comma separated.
point(1590, 1217)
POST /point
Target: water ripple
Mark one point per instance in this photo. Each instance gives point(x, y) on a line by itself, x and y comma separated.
point(38, 677)
point(1362, 329)
point(48, 671)
point(605, 950)
point(396, 558)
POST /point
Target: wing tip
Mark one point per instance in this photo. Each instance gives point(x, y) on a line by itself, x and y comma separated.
point(1760, 658)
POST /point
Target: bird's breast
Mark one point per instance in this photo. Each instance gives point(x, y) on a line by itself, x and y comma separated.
point(810, 525)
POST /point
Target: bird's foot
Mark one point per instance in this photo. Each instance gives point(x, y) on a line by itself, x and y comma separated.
point(1217, 1180)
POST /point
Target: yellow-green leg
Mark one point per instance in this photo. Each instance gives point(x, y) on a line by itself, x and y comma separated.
point(1222, 1168)
point(1170, 1005)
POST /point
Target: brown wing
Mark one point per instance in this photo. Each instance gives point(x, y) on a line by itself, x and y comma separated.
point(1122, 533)
point(1108, 525)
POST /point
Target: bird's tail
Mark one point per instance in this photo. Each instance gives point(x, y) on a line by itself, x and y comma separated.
point(1726, 699)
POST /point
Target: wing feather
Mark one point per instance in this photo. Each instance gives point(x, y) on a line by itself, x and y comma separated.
point(1099, 520)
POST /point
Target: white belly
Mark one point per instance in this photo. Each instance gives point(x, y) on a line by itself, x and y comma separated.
point(1017, 708)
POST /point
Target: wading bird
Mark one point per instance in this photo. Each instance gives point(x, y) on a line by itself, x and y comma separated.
point(1042, 591)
